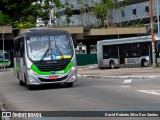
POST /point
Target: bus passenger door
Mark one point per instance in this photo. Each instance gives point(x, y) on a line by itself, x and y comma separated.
point(21, 60)
point(122, 54)
point(17, 58)
point(158, 52)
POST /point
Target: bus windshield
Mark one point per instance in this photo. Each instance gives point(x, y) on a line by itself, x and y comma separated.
point(44, 48)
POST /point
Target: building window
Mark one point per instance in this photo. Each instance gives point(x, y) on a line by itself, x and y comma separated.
point(122, 14)
point(147, 9)
point(134, 12)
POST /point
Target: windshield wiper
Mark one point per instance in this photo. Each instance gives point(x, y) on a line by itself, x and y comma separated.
point(45, 54)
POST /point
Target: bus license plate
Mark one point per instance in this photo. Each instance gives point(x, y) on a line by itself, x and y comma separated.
point(53, 77)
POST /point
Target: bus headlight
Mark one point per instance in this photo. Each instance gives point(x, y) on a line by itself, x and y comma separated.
point(72, 69)
point(31, 71)
point(74, 77)
point(33, 80)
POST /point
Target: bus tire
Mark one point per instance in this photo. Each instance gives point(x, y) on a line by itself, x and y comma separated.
point(144, 63)
point(21, 83)
point(30, 87)
point(69, 84)
point(25, 79)
point(112, 64)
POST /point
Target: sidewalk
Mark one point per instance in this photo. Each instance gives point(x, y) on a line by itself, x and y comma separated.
point(139, 73)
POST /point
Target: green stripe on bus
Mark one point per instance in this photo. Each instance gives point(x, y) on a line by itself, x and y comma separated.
point(34, 68)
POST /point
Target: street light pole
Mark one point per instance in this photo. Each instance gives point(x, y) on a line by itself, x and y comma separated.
point(152, 31)
point(3, 49)
point(52, 7)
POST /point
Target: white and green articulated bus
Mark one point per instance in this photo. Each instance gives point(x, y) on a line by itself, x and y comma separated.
point(132, 51)
point(45, 56)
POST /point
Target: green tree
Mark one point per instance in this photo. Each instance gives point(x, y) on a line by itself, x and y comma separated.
point(44, 12)
point(104, 10)
point(31, 19)
point(31, 13)
point(58, 6)
point(68, 12)
point(4, 19)
point(101, 10)
point(15, 8)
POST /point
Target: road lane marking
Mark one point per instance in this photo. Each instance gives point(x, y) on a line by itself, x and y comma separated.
point(155, 92)
point(126, 83)
point(126, 86)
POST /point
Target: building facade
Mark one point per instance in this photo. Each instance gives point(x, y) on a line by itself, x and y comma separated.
point(77, 19)
point(134, 13)
point(137, 12)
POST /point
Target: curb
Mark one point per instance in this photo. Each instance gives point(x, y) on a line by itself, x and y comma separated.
point(120, 77)
point(2, 109)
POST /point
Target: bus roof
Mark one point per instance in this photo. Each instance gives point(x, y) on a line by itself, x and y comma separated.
point(130, 40)
point(44, 31)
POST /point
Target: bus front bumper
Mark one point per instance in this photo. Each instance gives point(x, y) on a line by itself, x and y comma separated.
point(49, 79)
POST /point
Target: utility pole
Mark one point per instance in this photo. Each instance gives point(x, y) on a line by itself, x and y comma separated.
point(152, 31)
point(3, 49)
point(158, 16)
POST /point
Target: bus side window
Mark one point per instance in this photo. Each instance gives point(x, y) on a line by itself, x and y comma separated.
point(17, 47)
point(14, 52)
point(21, 47)
point(106, 55)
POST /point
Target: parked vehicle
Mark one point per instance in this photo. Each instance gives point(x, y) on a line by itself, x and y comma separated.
point(127, 52)
point(5, 59)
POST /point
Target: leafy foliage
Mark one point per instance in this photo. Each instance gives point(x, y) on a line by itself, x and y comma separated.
point(102, 10)
point(26, 13)
point(4, 19)
point(23, 25)
point(68, 11)
point(15, 8)
point(58, 6)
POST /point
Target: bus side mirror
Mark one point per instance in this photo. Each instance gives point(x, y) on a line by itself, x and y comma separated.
point(75, 43)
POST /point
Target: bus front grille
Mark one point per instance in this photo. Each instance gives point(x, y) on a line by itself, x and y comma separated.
point(54, 80)
point(52, 65)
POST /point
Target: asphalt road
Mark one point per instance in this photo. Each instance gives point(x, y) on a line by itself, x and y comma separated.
point(86, 95)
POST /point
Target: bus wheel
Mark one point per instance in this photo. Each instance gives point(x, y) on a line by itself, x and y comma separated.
point(69, 84)
point(144, 63)
point(21, 83)
point(30, 87)
point(112, 65)
point(25, 79)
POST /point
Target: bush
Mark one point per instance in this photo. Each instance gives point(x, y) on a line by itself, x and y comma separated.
point(23, 25)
